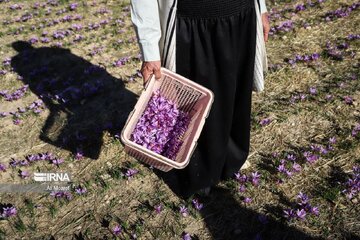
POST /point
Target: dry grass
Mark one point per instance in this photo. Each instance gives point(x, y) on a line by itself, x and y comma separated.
point(113, 199)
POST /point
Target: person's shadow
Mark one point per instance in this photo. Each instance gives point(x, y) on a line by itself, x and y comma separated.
point(84, 100)
point(228, 219)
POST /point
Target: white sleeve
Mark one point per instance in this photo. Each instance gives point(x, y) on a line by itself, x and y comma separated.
point(262, 6)
point(145, 18)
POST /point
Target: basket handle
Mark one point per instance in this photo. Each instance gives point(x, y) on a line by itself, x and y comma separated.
point(148, 81)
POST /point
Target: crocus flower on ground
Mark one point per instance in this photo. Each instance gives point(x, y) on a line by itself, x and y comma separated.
point(184, 211)
point(8, 212)
point(312, 90)
point(353, 36)
point(158, 208)
point(57, 161)
point(61, 195)
point(186, 236)
point(73, 6)
point(17, 121)
point(242, 188)
point(352, 185)
point(3, 167)
point(285, 26)
point(302, 209)
point(329, 97)
point(247, 200)
point(302, 58)
point(17, 94)
point(301, 214)
point(265, 121)
point(341, 12)
point(356, 130)
point(117, 230)
point(24, 174)
point(79, 154)
point(348, 100)
point(131, 172)
point(255, 178)
point(31, 158)
point(197, 205)
point(332, 140)
point(80, 190)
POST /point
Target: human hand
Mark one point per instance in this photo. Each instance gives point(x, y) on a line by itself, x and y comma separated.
point(150, 67)
point(266, 25)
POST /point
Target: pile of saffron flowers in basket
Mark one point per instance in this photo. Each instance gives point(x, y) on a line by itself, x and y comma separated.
point(161, 126)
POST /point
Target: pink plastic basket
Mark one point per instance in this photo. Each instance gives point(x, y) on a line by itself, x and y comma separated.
point(190, 97)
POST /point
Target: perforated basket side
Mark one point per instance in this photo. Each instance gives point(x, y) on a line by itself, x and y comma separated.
point(190, 97)
point(148, 160)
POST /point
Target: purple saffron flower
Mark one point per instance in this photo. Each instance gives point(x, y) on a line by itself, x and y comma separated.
point(301, 214)
point(23, 162)
point(323, 150)
point(80, 190)
point(33, 40)
point(73, 6)
point(312, 90)
point(57, 161)
point(265, 121)
point(332, 140)
point(186, 236)
point(197, 205)
point(117, 230)
point(17, 121)
point(275, 154)
point(24, 174)
point(315, 210)
point(8, 212)
point(158, 208)
point(330, 148)
point(3, 167)
point(281, 168)
point(348, 100)
point(64, 194)
point(315, 56)
point(241, 178)
point(255, 177)
point(296, 167)
point(303, 198)
point(291, 157)
point(242, 188)
point(289, 214)
point(13, 162)
point(79, 154)
point(247, 200)
point(311, 158)
point(160, 125)
point(300, 7)
point(184, 211)
point(289, 173)
point(303, 96)
point(352, 185)
point(131, 172)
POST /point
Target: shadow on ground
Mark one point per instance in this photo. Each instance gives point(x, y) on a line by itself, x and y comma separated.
point(226, 219)
point(84, 99)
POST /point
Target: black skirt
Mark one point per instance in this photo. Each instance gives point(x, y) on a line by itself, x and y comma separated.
point(215, 47)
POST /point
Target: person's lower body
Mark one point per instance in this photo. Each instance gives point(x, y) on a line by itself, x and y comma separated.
point(215, 47)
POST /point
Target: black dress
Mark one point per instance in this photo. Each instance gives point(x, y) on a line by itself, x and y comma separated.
point(215, 47)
